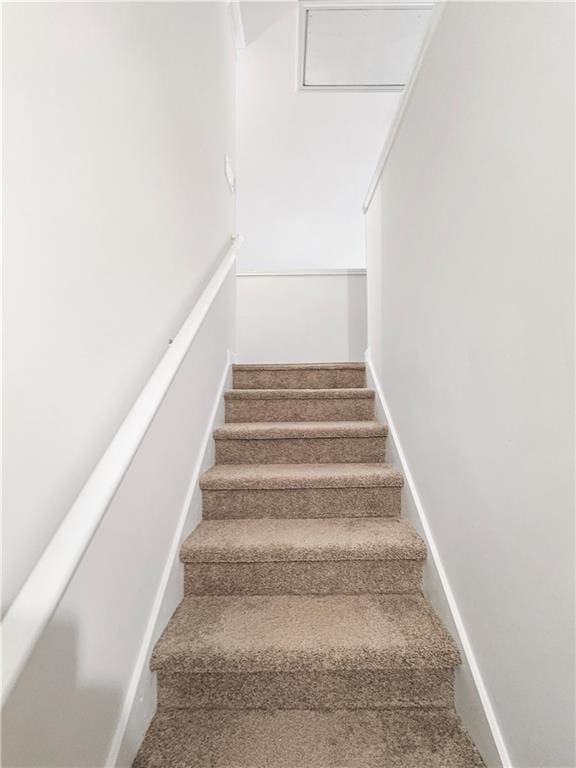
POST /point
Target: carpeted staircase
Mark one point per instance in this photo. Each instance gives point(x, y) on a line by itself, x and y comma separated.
point(303, 640)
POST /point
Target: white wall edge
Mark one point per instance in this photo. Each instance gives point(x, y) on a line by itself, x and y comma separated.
point(468, 653)
point(238, 25)
point(308, 273)
point(437, 12)
point(36, 602)
point(153, 629)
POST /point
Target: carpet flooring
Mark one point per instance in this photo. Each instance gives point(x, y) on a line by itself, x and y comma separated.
point(303, 639)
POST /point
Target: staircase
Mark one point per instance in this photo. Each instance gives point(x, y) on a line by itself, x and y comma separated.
point(303, 640)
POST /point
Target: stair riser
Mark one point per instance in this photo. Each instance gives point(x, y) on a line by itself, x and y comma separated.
point(301, 578)
point(301, 502)
point(349, 409)
point(360, 689)
point(312, 450)
point(299, 379)
point(259, 738)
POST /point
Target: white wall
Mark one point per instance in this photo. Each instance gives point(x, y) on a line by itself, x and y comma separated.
point(86, 696)
point(304, 159)
point(471, 333)
point(117, 118)
point(301, 318)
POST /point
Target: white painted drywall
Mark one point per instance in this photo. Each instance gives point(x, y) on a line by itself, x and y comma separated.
point(87, 689)
point(468, 694)
point(117, 117)
point(304, 159)
point(295, 318)
point(471, 332)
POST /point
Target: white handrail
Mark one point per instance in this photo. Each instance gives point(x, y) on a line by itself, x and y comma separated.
point(36, 602)
point(438, 10)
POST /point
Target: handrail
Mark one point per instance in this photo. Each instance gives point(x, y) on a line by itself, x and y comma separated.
point(36, 602)
point(437, 11)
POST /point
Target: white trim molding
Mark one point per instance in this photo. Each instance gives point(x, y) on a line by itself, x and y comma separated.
point(36, 602)
point(436, 15)
point(308, 273)
point(487, 734)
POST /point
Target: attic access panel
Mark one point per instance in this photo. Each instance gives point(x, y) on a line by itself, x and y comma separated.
point(360, 47)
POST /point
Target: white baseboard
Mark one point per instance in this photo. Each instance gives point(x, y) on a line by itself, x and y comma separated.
point(472, 700)
point(140, 702)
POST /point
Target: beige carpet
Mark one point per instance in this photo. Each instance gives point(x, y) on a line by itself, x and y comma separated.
point(303, 640)
point(248, 738)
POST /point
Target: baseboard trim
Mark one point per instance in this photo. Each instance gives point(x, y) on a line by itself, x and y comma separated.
point(489, 737)
point(141, 694)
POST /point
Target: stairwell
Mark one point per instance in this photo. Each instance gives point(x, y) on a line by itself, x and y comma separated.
point(303, 639)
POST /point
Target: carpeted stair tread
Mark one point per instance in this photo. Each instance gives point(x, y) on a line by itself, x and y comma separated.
point(304, 405)
point(430, 738)
point(294, 540)
point(297, 430)
point(300, 442)
point(296, 376)
point(298, 476)
point(300, 394)
point(288, 633)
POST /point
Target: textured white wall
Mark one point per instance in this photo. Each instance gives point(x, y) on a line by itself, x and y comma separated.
point(304, 159)
point(117, 118)
point(291, 318)
point(471, 331)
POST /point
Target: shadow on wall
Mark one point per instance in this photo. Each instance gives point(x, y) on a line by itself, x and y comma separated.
point(357, 318)
point(64, 722)
point(258, 17)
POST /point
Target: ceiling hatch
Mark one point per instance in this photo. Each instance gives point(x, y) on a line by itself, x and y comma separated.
point(354, 47)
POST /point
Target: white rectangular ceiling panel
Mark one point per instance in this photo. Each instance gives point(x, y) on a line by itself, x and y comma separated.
point(361, 47)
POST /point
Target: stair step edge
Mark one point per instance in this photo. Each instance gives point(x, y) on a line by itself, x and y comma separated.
point(300, 430)
point(300, 476)
point(286, 633)
point(329, 555)
point(303, 540)
point(348, 393)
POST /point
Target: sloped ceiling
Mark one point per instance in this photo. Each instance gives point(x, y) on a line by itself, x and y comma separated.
point(258, 15)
